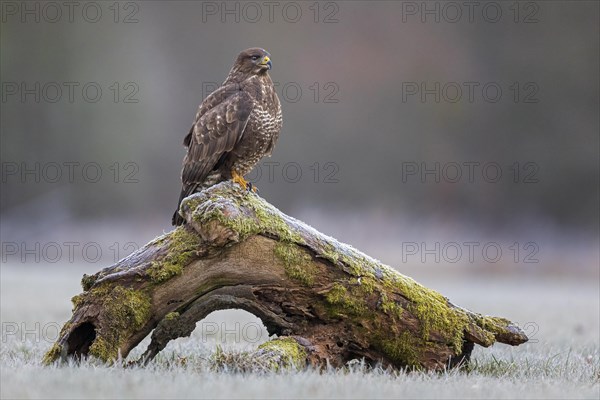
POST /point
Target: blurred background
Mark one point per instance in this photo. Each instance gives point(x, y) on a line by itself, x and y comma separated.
point(448, 140)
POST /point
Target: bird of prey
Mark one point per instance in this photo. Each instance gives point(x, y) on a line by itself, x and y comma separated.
point(236, 126)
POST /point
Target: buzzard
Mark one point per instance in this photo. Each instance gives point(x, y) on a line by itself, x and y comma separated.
point(236, 126)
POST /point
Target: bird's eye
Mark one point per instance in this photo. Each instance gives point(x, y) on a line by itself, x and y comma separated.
point(254, 58)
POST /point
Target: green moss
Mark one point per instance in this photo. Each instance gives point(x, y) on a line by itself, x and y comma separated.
point(434, 312)
point(283, 353)
point(432, 309)
point(329, 253)
point(404, 349)
point(129, 307)
point(265, 218)
point(428, 306)
point(128, 310)
point(342, 303)
point(271, 221)
point(77, 300)
point(273, 356)
point(182, 249)
point(162, 271)
point(191, 203)
point(298, 264)
point(491, 326)
point(171, 316)
point(495, 325)
point(391, 308)
point(52, 355)
point(104, 349)
point(367, 284)
point(87, 281)
point(55, 351)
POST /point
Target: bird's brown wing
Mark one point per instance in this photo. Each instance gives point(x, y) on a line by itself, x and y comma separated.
point(219, 125)
point(213, 100)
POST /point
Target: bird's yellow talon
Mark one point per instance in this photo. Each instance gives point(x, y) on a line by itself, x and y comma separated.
point(239, 179)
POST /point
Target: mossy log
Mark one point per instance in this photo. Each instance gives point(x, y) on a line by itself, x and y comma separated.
point(326, 301)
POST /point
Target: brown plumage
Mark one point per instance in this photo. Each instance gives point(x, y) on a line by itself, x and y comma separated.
point(236, 126)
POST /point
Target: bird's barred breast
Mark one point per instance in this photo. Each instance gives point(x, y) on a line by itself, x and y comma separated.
point(263, 127)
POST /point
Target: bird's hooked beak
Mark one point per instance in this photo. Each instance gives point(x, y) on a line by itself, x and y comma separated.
point(266, 61)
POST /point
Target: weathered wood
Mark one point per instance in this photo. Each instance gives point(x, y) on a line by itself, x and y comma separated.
point(329, 302)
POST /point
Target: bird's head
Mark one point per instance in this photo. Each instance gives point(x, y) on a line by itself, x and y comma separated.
point(253, 61)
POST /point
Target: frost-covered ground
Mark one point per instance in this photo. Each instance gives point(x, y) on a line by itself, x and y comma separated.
point(561, 361)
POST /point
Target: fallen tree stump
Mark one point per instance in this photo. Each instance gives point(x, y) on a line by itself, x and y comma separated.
point(326, 301)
